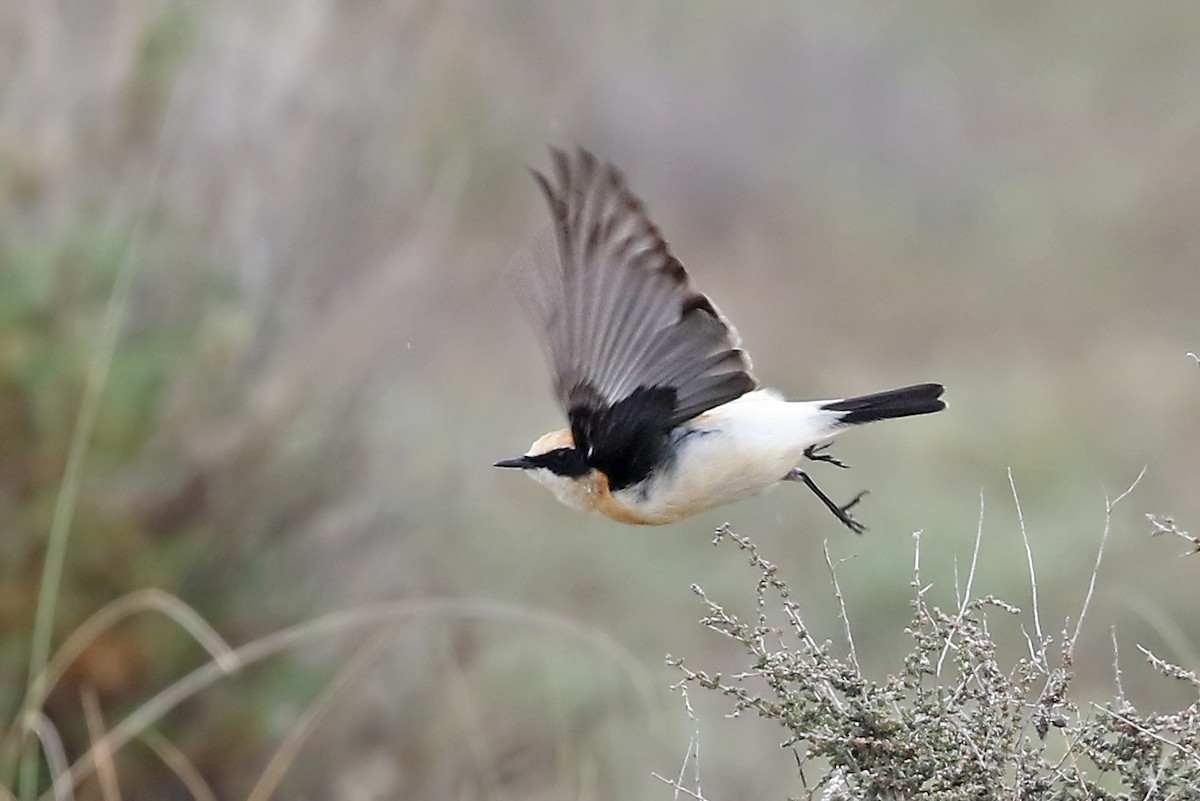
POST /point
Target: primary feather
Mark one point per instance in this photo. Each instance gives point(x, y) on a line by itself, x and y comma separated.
point(634, 350)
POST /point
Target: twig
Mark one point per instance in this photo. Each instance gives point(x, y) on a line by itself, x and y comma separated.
point(1167, 525)
point(1168, 668)
point(1117, 666)
point(679, 788)
point(692, 754)
point(1037, 617)
point(837, 591)
point(1087, 600)
point(966, 596)
point(1183, 749)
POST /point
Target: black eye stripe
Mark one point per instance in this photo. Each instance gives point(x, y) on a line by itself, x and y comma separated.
point(562, 461)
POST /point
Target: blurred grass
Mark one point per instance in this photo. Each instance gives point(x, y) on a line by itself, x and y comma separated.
point(320, 360)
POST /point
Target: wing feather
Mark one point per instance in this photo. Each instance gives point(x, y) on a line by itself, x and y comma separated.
point(626, 316)
point(623, 329)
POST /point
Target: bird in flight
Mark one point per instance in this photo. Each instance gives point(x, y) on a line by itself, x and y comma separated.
point(666, 419)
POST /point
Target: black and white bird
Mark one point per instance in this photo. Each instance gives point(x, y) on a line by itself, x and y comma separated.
point(666, 419)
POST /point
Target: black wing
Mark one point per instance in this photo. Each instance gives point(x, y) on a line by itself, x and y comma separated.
point(634, 350)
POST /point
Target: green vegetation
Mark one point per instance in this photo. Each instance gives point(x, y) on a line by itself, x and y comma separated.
point(126, 527)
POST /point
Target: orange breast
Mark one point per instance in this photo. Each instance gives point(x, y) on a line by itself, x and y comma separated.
point(599, 498)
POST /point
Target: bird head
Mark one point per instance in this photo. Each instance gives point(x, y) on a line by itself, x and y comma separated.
point(553, 461)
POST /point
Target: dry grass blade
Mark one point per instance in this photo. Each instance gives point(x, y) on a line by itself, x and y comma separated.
point(350, 620)
point(283, 758)
point(110, 790)
point(150, 600)
point(56, 757)
point(81, 436)
point(64, 506)
point(180, 765)
point(470, 723)
point(587, 781)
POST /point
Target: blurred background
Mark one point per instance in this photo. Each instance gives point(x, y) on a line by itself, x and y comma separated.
point(316, 203)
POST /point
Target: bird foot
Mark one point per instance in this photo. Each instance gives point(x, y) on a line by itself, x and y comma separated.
point(842, 512)
point(817, 454)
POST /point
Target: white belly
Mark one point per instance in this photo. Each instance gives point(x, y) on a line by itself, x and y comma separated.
point(731, 452)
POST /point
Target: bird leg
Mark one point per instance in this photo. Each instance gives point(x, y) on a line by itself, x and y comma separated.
point(842, 513)
point(817, 454)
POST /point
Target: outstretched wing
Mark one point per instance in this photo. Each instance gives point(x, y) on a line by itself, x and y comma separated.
point(634, 350)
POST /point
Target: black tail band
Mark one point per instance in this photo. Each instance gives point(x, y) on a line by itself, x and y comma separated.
point(903, 402)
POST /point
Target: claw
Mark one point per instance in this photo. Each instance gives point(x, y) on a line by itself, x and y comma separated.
point(817, 454)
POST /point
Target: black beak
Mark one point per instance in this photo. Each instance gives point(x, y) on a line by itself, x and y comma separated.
point(524, 462)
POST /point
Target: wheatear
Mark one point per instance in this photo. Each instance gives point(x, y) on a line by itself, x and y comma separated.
point(666, 418)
